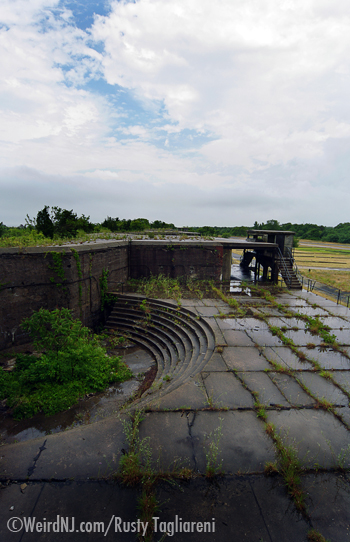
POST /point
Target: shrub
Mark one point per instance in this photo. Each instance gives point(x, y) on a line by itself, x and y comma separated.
point(73, 364)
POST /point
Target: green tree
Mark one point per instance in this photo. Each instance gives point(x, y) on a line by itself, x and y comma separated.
point(2, 229)
point(44, 223)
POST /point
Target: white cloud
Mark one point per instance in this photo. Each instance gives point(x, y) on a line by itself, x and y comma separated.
point(267, 81)
point(247, 72)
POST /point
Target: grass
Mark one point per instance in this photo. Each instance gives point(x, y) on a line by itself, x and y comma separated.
point(323, 256)
point(335, 278)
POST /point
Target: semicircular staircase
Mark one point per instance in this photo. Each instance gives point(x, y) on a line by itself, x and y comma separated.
point(181, 342)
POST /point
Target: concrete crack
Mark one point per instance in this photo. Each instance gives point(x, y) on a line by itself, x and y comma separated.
point(190, 425)
point(36, 458)
point(261, 512)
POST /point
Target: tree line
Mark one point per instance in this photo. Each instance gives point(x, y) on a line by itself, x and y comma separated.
point(57, 222)
point(63, 223)
point(336, 234)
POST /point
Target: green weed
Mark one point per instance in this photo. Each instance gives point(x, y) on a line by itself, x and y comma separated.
point(213, 466)
point(315, 536)
point(289, 467)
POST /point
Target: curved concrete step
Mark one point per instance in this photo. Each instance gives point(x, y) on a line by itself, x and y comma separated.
point(181, 342)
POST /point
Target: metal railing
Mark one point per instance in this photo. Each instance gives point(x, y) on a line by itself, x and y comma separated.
point(343, 298)
point(290, 254)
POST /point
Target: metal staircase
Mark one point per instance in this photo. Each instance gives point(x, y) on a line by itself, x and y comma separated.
point(289, 270)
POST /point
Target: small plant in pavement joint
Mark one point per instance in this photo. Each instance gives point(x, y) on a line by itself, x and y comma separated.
point(289, 467)
point(147, 507)
point(213, 467)
point(135, 464)
point(315, 536)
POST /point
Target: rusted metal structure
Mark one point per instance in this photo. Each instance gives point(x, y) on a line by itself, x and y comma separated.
point(272, 251)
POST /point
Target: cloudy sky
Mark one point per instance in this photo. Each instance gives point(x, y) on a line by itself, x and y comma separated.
point(190, 111)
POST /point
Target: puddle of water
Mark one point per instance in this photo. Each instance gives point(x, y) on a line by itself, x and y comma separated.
point(88, 410)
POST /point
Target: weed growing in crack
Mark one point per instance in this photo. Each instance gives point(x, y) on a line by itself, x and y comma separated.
point(135, 468)
point(260, 411)
point(147, 507)
point(325, 404)
point(271, 469)
point(289, 467)
point(214, 467)
point(341, 458)
point(315, 536)
point(135, 464)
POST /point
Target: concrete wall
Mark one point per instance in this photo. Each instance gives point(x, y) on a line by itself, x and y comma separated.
point(52, 277)
point(191, 258)
point(55, 277)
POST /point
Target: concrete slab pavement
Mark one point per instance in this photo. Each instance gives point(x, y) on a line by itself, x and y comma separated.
point(212, 412)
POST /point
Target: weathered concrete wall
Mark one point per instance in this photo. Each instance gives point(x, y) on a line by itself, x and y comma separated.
point(191, 258)
point(52, 277)
point(56, 277)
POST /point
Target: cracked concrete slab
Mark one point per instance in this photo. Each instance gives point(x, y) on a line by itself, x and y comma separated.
point(311, 311)
point(23, 503)
point(302, 338)
point(269, 311)
point(317, 435)
point(335, 323)
point(173, 442)
point(328, 502)
point(342, 336)
point(243, 446)
point(345, 414)
point(327, 358)
point(264, 338)
point(323, 389)
point(189, 395)
point(188, 436)
point(86, 502)
point(246, 323)
point(216, 363)
point(86, 451)
point(244, 359)
point(269, 394)
point(219, 337)
point(284, 356)
point(244, 508)
point(343, 379)
point(225, 390)
point(292, 391)
point(237, 338)
point(207, 311)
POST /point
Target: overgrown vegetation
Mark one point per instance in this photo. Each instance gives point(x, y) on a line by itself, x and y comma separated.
point(161, 286)
point(56, 226)
point(70, 363)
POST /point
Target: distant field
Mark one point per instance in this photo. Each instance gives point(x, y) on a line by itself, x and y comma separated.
point(322, 257)
point(332, 262)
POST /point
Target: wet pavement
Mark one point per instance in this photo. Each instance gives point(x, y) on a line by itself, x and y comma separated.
point(218, 415)
point(90, 409)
